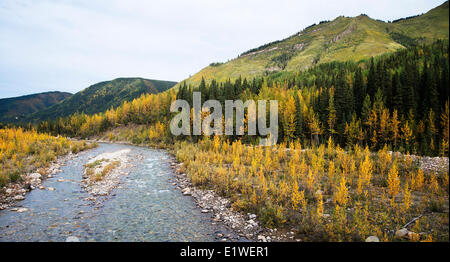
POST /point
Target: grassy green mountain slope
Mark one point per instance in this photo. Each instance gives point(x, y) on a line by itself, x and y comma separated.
point(102, 96)
point(343, 39)
point(425, 28)
point(15, 108)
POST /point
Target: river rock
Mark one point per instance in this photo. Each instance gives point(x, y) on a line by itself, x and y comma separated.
point(50, 188)
point(262, 238)
point(401, 233)
point(35, 176)
point(27, 186)
point(21, 210)
point(72, 239)
point(372, 239)
point(19, 197)
point(186, 191)
point(9, 191)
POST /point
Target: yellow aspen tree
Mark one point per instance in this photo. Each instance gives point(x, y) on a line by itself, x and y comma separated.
point(302, 200)
point(295, 198)
point(433, 184)
point(289, 118)
point(372, 120)
point(254, 165)
point(406, 197)
point(419, 179)
point(365, 175)
point(319, 209)
point(303, 167)
point(292, 170)
point(384, 159)
point(262, 184)
point(298, 145)
point(331, 171)
point(314, 128)
point(394, 126)
point(384, 121)
point(374, 139)
point(432, 128)
point(310, 180)
point(331, 114)
point(254, 199)
point(283, 191)
point(330, 147)
point(216, 143)
point(295, 156)
point(341, 196)
point(412, 177)
point(407, 134)
point(393, 182)
point(445, 130)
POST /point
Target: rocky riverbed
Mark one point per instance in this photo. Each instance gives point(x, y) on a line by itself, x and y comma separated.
point(243, 225)
point(17, 191)
point(142, 206)
point(106, 170)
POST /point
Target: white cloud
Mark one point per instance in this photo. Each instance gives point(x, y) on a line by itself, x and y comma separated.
point(68, 45)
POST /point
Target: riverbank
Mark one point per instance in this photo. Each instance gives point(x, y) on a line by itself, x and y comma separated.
point(103, 172)
point(145, 206)
point(16, 191)
point(240, 225)
point(399, 188)
point(244, 225)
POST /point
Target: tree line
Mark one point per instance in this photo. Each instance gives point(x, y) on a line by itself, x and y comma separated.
point(399, 100)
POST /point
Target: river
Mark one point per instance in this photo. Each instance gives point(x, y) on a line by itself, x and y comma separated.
point(145, 206)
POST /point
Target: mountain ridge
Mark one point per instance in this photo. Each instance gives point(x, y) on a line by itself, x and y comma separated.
point(101, 96)
point(13, 108)
point(342, 39)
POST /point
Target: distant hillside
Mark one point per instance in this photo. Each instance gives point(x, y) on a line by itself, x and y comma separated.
point(102, 96)
point(343, 39)
point(16, 108)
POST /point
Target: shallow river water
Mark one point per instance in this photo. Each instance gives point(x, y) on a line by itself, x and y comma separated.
point(145, 207)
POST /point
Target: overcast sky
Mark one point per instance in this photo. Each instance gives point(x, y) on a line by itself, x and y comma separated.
point(50, 45)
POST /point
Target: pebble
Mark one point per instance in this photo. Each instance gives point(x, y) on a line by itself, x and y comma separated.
point(186, 192)
point(51, 189)
point(72, 239)
point(401, 233)
point(262, 238)
point(372, 239)
point(19, 197)
point(35, 176)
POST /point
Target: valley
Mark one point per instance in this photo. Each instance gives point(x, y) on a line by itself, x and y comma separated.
point(361, 152)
